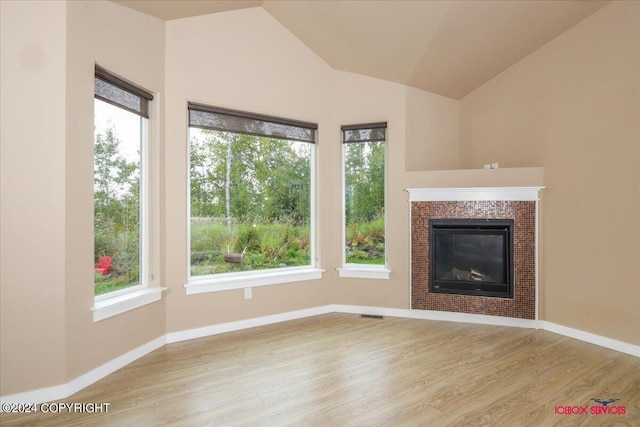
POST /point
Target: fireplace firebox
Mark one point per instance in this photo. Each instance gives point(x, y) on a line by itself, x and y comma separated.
point(471, 257)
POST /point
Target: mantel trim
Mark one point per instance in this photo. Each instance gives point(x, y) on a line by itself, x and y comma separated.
point(518, 194)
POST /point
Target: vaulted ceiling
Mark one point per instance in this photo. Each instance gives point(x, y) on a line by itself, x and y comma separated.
point(445, 47)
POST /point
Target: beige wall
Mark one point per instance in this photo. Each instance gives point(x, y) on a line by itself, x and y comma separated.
point(131, 45)
point(262, 68)
point(48, 54)
point(32, 218)
point(433, 131)
point(244, 60)
point(573, 106)
point(360, 99)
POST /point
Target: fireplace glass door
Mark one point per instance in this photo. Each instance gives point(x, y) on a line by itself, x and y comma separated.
point(471, 257)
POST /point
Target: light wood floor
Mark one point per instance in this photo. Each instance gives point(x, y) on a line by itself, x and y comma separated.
point(343, 370)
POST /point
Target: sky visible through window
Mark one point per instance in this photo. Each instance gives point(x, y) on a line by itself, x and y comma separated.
point(126, 123)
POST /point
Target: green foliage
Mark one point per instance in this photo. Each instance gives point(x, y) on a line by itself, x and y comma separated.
point(248, 239)
point(265, 246)
point(271, 245)
point(248, 194)
point(364, 201)
point(268, 180)
point(365, 242)
point(364, 181)
point(116, 213)
point(103, 284)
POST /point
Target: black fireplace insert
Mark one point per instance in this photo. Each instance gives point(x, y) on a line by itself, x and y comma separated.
point(471, 257)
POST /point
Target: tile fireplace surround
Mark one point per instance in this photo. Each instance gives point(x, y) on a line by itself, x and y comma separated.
point(516, 203)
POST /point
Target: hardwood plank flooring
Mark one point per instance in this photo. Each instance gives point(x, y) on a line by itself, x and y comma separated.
point(344, 370)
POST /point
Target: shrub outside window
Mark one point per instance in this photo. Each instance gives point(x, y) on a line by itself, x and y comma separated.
point(364, 194)
point(120, 135)
point(251, 192)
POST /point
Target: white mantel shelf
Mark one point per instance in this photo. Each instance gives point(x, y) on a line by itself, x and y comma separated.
point(474, 194)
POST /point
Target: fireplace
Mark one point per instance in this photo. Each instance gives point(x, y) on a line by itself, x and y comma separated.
point(470, 208)
point(471, 257)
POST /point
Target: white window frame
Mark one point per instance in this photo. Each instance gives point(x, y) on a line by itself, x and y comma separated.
point(120, 301)
point(249, 279)
point(355, 270)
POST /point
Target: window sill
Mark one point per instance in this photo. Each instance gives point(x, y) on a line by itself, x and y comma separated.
point(240, 281)
point(364, 272)
point(117, 304)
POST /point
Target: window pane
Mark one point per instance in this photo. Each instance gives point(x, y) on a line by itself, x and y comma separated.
point(364, 202)
point(117, 174)
point(250, 202)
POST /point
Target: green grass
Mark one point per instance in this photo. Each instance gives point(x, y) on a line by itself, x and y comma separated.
point(112, 282)
point(372, 261)
point(265, 246)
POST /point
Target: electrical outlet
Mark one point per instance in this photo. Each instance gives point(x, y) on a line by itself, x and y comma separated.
point(494, 166)
point(247, 293)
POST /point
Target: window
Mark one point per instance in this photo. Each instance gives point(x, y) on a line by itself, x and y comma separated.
point(251, 193)
point(121, 112)
point(364, 197)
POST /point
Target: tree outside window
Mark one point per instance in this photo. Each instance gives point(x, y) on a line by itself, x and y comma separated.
point(250, 200)
point(120, 119)
point(364, 192)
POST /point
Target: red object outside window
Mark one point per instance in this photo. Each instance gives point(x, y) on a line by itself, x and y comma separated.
point(104, 265)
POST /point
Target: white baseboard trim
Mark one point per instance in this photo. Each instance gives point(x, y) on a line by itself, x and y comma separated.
point(372, 311)
point(621, 346)
point(244, 324)
point(110, 367)
point(65, 390)
point(480, 319)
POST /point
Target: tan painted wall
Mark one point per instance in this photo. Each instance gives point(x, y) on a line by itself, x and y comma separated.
point(32, 218)
point(415, 120)
point(129, 44)
point(433, 131)
point(48, 53)
point(573, 106)
point(360, 99)
point(245, 60)
point(261, 67)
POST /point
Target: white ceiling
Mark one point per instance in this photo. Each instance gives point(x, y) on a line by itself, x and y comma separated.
point(445, 47)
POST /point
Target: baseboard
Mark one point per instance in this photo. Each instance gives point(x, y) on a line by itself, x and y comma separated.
point(247, 323)
point(65, 390)
point(373, 311)
point(621, 346)
point(480, 319)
